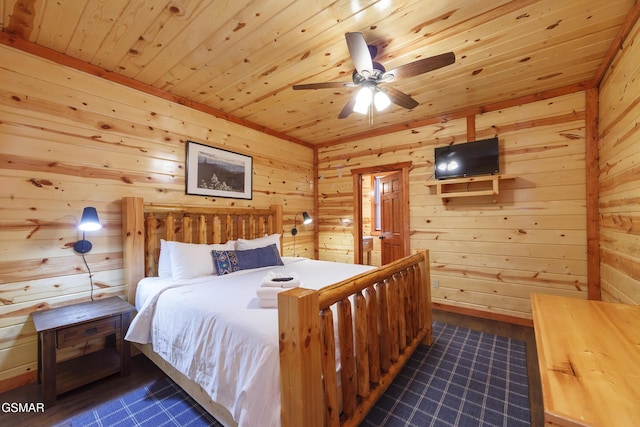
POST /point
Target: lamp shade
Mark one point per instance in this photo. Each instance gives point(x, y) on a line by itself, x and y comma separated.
point(381, 100)
point(306, 219)
point(363, 100)
point(90, 221)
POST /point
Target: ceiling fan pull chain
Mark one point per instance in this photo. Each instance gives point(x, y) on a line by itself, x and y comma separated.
point(371, 114)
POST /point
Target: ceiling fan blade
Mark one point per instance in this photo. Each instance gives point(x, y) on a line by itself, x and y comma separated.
point(421, 66)
point(327, 85)
point(401, 98)
point(348, 109)
point(359, 52)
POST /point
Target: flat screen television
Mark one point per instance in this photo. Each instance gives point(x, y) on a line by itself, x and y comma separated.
point(467, 159)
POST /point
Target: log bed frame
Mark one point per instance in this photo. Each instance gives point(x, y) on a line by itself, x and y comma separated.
point(390, 317)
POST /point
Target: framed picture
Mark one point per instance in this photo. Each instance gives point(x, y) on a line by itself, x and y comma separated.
point(218, 173)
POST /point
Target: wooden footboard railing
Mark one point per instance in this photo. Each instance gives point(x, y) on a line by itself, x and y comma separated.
point(380, 317)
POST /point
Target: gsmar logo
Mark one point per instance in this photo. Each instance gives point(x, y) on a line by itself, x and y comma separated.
point(15, 407)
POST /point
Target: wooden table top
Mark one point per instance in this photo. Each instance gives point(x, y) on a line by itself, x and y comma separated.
point(73, 314)
point(589, 358)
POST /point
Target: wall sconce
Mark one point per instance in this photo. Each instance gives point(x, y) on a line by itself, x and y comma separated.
point(306, 219)
point(88, 222)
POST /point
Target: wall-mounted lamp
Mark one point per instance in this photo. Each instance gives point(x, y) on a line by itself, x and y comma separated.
point(306, 219)
point(89, 222)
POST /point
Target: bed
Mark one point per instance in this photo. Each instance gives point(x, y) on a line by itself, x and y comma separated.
point(333, 345)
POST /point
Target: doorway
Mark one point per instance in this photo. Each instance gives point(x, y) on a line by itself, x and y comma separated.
point(381, 213)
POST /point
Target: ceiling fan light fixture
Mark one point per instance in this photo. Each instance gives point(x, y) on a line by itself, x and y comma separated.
point(381, 100)
point(363, 100)
point(367, 74)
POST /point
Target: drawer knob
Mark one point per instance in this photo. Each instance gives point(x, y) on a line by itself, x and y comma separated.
point(90, 331)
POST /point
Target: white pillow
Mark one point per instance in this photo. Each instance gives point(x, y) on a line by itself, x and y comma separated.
point(260, 242)
point(164, 260)
point(189, 260)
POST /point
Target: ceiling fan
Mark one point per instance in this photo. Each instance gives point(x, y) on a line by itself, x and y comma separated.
point(368, 75)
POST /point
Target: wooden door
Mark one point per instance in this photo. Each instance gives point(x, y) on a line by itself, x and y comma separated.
point(391, 234)
point(401, 170)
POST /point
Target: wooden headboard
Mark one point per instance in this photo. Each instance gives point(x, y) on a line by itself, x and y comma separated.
point(144, 224)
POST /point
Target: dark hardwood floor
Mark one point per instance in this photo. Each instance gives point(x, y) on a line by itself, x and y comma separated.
point(144, 371)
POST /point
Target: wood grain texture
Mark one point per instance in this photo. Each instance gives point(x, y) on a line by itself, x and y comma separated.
point(301, 380)
point(619, 153)
point(241, 65)
point(306, 334)
point(486, 256)
point(369, 366)
point(593, 193)
point(589, 360)
point(144, 371)
point(68, 140)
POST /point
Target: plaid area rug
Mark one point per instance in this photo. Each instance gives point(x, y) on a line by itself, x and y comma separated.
point(161, 403)
point(466, 378)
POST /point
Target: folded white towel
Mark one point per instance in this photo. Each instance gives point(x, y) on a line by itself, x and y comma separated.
point(269, 293)
point(280, 280)
point(267, 303)
point(272, 285)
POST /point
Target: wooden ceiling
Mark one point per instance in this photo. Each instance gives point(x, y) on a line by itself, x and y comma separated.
point(239, 59)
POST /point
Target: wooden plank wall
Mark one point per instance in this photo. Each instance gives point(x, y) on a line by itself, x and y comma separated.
point(486, 256)
point(619, 151)
point(70, 140)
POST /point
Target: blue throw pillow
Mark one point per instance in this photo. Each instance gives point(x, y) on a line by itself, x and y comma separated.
point(229, 261)
point(225, 262)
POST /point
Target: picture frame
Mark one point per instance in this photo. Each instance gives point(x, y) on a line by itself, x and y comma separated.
point(216, 172)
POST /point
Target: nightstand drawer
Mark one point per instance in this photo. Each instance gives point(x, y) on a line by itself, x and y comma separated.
point(81, 333)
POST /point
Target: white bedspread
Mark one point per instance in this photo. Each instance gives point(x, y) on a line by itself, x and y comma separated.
point(212, 330)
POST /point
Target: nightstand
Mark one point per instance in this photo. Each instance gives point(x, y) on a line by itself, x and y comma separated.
point(75, 324)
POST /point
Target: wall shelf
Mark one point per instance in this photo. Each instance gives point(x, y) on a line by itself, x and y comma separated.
point(450, 188)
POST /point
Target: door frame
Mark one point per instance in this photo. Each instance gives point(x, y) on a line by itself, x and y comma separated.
point(357, 174)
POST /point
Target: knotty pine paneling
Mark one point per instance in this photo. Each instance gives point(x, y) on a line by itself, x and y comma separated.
point(245, 60)
point(486, 256)
point(70, 140)
point(619, 150)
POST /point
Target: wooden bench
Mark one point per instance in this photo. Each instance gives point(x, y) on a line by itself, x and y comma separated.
point(589, 358)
